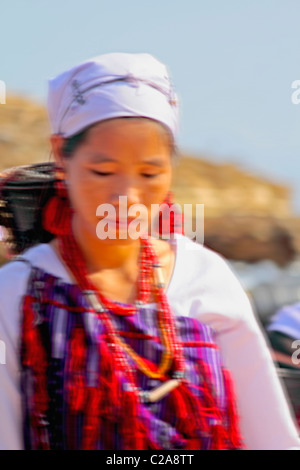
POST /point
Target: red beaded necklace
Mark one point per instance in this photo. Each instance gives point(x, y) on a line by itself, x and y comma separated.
point(172, 357)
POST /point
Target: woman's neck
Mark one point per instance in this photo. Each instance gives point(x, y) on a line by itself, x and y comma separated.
point(101, 254)
point(114, 268)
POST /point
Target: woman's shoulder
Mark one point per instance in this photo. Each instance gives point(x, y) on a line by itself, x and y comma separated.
point(196, 258)
point(42, 256)
point(206, 279)
point(14, 273)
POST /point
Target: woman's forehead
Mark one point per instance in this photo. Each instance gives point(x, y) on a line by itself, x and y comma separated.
point(132, 132)
point(125, 124)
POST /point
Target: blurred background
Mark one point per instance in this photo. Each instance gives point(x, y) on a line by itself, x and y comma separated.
point(233, 64)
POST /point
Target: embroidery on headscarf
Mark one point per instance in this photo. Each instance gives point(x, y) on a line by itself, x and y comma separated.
point(77, 94)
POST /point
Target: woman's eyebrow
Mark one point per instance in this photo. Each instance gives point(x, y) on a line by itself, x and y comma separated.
point(100, 158)
point(153, 161)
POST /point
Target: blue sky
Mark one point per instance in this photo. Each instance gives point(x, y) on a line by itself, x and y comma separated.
point(232, 62)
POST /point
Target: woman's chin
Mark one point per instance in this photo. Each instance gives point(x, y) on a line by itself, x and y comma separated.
point(119, 236)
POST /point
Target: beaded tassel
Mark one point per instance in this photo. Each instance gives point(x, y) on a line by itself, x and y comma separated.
point(221, 434)
point(34, 356)
point(92, 418)
point(232, 429)
point(57, 212)
point(76, 385)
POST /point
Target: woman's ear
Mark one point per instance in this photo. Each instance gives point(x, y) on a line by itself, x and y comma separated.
point(57, 142)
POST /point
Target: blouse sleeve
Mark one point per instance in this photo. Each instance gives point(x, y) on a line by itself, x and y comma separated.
point(12, 284)
point(266, 419)
point(204, 286)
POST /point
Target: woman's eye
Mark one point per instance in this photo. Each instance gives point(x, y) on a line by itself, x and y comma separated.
point(149, 175)
point(102, 173)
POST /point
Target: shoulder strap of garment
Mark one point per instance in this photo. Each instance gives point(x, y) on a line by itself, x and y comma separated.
point(36, 283)
point(21, 258)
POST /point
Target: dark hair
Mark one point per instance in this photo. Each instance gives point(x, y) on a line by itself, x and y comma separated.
point(71, 143)
point(24, 192)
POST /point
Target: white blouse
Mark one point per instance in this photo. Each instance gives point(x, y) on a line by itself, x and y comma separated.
point(202, 286)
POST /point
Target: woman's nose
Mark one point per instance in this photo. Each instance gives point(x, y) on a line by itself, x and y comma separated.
point(127, 189)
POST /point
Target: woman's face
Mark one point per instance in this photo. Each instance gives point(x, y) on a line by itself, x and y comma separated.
point(119, 157)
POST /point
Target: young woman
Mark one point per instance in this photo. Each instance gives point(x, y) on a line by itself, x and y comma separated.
point(120, 342)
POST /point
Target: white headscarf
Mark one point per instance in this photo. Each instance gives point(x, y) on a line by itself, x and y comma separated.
point(110, 86)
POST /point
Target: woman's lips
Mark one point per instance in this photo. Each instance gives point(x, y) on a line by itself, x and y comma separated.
point(119, 223)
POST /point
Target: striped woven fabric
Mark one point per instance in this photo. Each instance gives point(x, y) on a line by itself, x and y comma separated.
point(60, 309)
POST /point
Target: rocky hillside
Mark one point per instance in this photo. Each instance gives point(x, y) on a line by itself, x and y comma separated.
point(226, 189)
point(246, 217)
point(24, 132)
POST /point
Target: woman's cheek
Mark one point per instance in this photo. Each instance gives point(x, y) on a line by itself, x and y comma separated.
point(82, 198)
point(157, 191)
